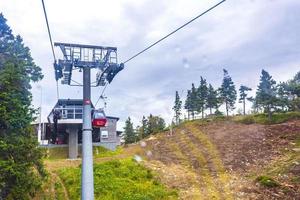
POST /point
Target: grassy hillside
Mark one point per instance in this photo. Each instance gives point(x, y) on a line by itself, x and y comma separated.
point(222, 158)
point(226, 158)
point(118, 180)
point(277, 118)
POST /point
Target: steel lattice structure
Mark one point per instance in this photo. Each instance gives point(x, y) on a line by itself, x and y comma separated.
point(76, 56)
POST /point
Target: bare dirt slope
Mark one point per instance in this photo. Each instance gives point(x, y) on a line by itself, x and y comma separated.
point(221, 160)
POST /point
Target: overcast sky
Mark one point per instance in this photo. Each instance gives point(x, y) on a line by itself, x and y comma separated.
point(243, 36)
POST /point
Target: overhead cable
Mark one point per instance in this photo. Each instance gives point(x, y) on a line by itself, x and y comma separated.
point(101, 95)
point(51, 43)
point(168, 35)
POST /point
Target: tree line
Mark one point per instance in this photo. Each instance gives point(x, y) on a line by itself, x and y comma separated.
point(149, 125)
point(270, 97)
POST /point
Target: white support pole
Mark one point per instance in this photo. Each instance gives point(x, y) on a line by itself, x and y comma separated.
point(87, 177)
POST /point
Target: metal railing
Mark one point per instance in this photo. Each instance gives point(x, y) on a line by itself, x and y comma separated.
point(70, 112)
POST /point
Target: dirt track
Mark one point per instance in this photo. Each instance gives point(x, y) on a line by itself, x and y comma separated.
point(219, 157)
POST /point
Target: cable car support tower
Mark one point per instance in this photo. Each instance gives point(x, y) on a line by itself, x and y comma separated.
point(84, 58)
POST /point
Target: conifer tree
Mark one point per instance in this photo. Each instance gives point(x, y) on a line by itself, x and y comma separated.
point(155, 124)
point(161, 125)
point(150, 124)
point(141, 131)
point(293, 89)
point(212, 98)
point(243, 95)
point(202, 96)
point(129, 133)
point(193, 100)
point(187, 104)
point(283, 97)
point(227, 92)
point(144, 127)
point(266, 93)
point(177, 107)
point(21, 166)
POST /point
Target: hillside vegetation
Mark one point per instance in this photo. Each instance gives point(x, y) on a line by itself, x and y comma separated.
point(115, 179)
point(221, 158)
point(263, 119)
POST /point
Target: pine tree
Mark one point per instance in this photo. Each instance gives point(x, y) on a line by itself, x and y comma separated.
point(193, 100)
point(144, 127)
point(177, 107)
point(129, 133)
point(187, 104)
point(21, 166)
point(155, 124)
point(202, 96)
point(161, 125)
point(293, 88)
point(243, 95)
point(212, 99)
point(266, 93)
point(150, 124)
point(141, 131)
point(227, 92)
point(283, 97)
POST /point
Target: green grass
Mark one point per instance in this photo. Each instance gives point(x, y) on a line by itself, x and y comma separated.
point(101, 152)
point(59, 192)
point(57, 153)
point(267, 181)
point(119, 180)
point(62, 152)
point(277, 118)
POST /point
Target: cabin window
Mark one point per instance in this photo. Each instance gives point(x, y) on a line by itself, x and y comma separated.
point(99, 115)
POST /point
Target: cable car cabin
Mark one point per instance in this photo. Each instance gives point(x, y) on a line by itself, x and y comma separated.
point(98, 118)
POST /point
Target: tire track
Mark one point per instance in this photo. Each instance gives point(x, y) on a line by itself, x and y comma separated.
point(211, 151)
point(198, 164)
point(169, 147)
point(56, 177)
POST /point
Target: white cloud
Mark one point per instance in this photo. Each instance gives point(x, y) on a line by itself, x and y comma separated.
point(242, 36)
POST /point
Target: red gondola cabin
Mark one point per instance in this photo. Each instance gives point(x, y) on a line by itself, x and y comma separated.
point(99, 119)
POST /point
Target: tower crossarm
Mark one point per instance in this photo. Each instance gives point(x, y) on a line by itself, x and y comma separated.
point(81, 56)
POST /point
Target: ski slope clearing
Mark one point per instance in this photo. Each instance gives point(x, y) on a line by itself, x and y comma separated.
point(214, 159)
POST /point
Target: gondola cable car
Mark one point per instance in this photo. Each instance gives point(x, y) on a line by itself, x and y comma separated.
point(98, 118)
